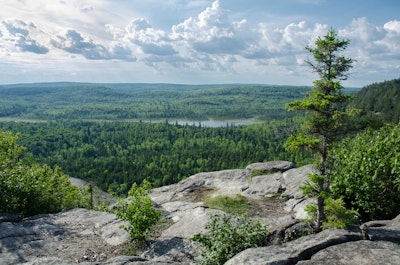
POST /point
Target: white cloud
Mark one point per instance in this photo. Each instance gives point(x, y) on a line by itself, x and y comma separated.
point(17, 36)
point(73, 42)
point(212, 32)
point(376, 48)
point(150, 40)
point(360, 30)
point(393, 26)
point(211, 40)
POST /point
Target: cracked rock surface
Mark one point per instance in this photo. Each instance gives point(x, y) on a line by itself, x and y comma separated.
point(92, 237)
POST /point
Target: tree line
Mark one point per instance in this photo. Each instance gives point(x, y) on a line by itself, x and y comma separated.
point(56, 101)
point(114, 155)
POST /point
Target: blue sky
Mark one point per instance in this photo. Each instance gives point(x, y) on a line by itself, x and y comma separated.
point(192, 42)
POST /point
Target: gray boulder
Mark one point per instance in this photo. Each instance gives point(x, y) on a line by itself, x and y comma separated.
point(332, 246)
point(294, 251)
point(362, 252)
point(188, 219)
point(264, 185)
point(271, 166)
point(388, 230)
point(183, 202)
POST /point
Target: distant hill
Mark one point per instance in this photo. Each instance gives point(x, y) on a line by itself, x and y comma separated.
point(89, 101)
point(381, 100)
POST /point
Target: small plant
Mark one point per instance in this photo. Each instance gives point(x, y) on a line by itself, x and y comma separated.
point(139, 211)
point(337, 215)
point(257, 172)
point(227, 236)
point(237, 205)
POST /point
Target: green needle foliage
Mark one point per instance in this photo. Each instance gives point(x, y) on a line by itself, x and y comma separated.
point(227, 236)
point(325, 104)
point(337, 215)
point(139, 211)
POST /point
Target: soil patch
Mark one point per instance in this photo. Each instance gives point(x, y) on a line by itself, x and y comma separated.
point(270, 207)
point(198, 194)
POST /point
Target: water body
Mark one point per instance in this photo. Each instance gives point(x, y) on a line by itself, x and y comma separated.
point(214, 123)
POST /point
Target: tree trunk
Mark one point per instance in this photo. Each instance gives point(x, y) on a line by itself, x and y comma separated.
point(320, 213)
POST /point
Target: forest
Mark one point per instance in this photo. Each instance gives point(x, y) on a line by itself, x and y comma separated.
point(114, 155)
point(70, 101)
point(380, 99)
point(114, 135)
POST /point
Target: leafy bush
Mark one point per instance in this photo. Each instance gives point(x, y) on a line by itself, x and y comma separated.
point(367, 174)
point(237, 205)
point(28, 188)
point(227, 236)
point(139, 211)
point(337, 215)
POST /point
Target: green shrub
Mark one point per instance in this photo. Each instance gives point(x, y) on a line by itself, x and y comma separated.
point(367, 172)
point(139, 211)
point(28, 188)
point(337, 215)
point(237, 205)
point(227, 236)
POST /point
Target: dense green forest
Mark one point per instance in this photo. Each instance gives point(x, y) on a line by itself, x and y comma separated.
point(56, 101)
point(117, 134)
point(380, 99)
point(115, 155)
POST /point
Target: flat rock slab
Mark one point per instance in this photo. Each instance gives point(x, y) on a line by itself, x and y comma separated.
point(120, 260)
point(75, 236)
point(362, 252)
point(294, 251)
point(271, 166)
point(189, 219)
point(183, 202)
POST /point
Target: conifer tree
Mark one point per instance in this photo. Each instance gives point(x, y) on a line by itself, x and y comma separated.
point(324, 105)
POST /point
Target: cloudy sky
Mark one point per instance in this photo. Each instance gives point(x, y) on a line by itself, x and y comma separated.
point(192, 42)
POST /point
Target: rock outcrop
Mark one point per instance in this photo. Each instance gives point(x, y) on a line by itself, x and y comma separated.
point(183, 201)
point(332, 246)
point(74, 236)
point(92, 237)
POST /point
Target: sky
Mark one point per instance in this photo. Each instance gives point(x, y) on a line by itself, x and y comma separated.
point(192, 42)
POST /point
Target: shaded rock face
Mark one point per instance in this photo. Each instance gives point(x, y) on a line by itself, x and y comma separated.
point(99, 196)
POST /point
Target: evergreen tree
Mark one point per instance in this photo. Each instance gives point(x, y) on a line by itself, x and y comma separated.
point(325, 106)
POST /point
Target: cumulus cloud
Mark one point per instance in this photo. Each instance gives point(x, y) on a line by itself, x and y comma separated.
point(16, 36)
point(213, 41)
point(373, 41)
point(212, 38)
point(360, 30)
point(288, 40)
point(150, 40)
point(73, 42)
point(212, 32)
point(392, 26)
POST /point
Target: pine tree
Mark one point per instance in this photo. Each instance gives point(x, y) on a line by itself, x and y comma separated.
point(325, 106)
